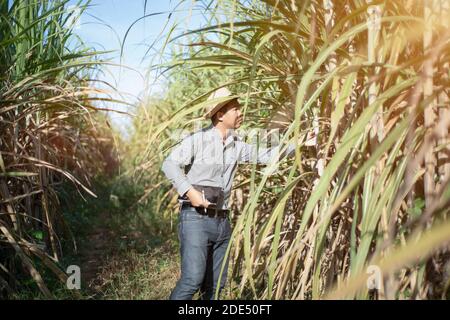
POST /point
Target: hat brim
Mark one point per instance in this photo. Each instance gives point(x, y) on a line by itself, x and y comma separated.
point(219, 106)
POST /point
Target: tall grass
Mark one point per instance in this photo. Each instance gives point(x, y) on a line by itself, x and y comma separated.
point(355, 77)
point(50, 133)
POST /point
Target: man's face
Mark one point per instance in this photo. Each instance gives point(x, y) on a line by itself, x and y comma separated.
point(231, 115)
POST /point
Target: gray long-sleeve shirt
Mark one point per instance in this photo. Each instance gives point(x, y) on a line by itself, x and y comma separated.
point(211, 162)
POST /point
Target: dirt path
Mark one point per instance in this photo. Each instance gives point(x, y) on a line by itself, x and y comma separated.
point(119, 264)
point(93, 258)
point(94, 253)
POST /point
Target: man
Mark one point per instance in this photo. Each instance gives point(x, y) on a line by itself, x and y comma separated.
point(210, 158)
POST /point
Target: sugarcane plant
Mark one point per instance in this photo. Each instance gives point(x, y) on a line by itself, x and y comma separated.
point(49, 133)
point(362, 88)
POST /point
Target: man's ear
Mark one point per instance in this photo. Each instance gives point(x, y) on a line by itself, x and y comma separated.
point(219, 115)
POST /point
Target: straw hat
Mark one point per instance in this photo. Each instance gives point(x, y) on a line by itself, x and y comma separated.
point(212, 108)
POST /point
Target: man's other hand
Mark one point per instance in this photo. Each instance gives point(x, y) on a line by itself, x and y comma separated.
point(196, 198)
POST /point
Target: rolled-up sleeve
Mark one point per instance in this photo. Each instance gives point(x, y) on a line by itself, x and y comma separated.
point(173, 165)
point(251, 153)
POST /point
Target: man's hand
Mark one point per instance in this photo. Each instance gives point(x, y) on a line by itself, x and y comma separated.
point(196, 198)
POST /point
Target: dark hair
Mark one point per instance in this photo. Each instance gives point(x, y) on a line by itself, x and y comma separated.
point(214, 117)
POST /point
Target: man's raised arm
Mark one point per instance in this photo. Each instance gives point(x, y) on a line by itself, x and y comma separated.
point(251, 153)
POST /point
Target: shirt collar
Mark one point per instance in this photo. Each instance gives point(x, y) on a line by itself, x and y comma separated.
point(232, 136)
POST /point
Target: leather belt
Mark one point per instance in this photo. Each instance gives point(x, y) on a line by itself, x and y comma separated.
point(213, 213)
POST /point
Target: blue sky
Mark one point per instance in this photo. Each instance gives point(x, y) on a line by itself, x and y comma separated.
point(104, 26)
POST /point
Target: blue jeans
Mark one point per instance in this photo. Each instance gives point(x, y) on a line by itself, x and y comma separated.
point(204, 241)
